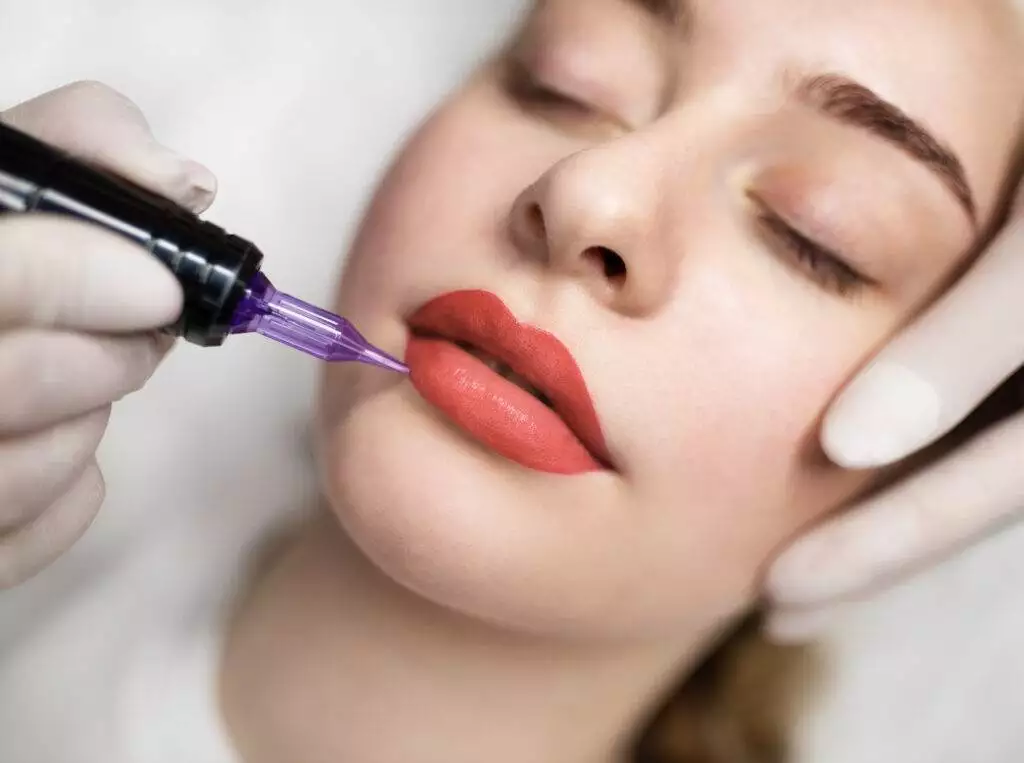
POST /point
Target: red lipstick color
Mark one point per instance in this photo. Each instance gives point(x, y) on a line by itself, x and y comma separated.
point(562, 439)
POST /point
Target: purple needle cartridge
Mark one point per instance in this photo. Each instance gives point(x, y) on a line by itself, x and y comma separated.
point(298, 324)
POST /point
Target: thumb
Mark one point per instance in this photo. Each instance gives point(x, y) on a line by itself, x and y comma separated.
point(100, 125)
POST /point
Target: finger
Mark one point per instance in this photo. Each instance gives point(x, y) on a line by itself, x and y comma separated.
point(960, 498)
point(47, 377)
point(931, 377)
point(35, 470)
point(67, 274)
point(100, 125)
point(31, 549)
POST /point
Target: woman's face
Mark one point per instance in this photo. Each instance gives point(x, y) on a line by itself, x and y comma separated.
point(720, 209)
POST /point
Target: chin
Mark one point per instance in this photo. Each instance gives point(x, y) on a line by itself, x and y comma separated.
point(472, 532)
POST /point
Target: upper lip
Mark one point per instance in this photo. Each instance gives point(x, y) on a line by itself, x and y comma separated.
point(479, 318)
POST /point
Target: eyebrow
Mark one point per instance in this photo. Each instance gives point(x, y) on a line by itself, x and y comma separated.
point(851, 103)
point(854, 104)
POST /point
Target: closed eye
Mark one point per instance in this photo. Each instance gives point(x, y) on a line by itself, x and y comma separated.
point(828, 268)
point(532, 94)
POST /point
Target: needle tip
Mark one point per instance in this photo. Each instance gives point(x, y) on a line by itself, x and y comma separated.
point(383, 360)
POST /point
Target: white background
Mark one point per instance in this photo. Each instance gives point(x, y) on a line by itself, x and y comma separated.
point(296, 105)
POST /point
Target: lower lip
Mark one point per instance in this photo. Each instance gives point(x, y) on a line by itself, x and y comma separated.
point(494, 411)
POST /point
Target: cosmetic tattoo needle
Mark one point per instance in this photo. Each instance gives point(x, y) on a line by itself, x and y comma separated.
point(291, 321)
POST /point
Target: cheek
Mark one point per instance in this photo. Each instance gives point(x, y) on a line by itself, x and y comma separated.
point(724, 433)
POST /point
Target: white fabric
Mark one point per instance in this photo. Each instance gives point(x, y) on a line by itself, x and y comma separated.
point(109, 656)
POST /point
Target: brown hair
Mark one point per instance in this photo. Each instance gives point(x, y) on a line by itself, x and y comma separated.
point(740, 705)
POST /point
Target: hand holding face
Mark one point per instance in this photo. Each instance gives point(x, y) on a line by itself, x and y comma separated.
point(920, 388)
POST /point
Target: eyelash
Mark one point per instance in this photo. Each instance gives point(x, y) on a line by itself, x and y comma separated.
point(825, 266)
point(530, 92)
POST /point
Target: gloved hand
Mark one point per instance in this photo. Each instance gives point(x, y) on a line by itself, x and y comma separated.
point(78, 310)
point(919, 389)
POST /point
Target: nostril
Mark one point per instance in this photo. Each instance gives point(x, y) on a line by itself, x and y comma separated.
point(613, 266)
point(535, 222)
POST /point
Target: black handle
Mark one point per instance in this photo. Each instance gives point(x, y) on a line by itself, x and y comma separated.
point(212, 265)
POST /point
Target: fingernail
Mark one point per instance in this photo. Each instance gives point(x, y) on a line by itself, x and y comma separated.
point(792, 628)
point(845, 560)
point(801, 575)
point(203, 186)
point(885, 415)
point(190, 183)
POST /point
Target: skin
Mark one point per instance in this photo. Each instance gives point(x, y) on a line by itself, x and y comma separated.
point(441, 573)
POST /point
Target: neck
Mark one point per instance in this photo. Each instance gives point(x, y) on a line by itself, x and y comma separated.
point(328, 660)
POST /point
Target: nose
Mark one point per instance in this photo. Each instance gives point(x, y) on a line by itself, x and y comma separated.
point(593, 217)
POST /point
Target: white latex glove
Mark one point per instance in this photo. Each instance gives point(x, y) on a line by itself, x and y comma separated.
point(78, 309)
point(919, 389)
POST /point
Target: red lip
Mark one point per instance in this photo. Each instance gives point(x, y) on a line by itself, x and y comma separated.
point(563, 439)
